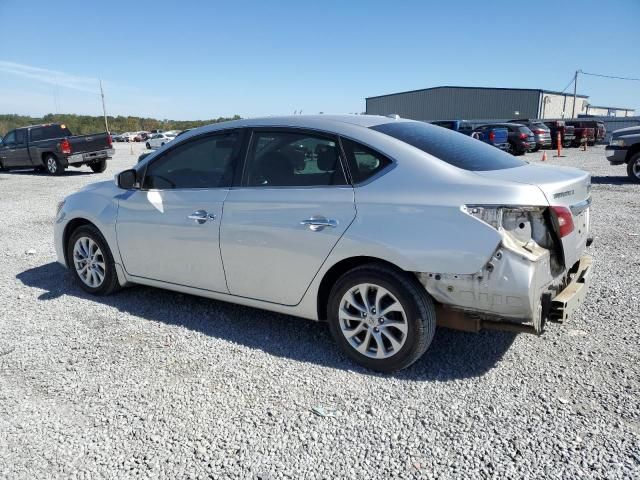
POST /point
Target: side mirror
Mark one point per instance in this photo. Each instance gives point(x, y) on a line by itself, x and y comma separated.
point(128, 180)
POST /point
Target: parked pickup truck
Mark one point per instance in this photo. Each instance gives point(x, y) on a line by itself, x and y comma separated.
point(53, 148)
point(567, 133)
point(496, 136)
point(583, 133)
point(462, 126)
point(624, 147)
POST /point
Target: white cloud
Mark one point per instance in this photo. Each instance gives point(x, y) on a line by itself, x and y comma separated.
point(51, 77)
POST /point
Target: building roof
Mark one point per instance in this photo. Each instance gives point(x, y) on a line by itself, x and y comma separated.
point(612, 108)
point(481, 88)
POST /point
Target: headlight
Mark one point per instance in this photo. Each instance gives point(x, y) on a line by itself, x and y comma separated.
point(59, 208)
point(617, 142)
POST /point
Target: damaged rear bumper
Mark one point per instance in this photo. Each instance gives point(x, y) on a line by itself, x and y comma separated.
point(515, 291)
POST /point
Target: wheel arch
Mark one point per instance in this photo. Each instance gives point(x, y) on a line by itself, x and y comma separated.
point(336, 271)
point(71, 227)
point(635, 148)
point(44, 155)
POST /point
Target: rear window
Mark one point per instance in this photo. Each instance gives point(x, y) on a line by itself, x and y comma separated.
point(48, 132)
point(457, 150)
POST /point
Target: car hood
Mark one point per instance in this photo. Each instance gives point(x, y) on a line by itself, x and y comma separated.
point(626, 131)
point(562, 186)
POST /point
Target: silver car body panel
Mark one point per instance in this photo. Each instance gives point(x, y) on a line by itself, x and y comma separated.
point(412, 216)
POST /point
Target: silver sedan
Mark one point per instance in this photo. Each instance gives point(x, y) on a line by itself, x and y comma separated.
point(382, 227)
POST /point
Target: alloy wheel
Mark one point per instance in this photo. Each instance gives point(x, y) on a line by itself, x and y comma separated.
point(373, 321)
point(52, 166)
point(89, 262)
point(636, 168)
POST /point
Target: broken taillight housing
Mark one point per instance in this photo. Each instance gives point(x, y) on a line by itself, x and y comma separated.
point(565, 220)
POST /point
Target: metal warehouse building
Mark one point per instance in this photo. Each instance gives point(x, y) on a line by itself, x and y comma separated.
point(443, 103)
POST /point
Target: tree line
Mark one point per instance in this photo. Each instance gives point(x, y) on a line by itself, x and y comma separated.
point(86, 124)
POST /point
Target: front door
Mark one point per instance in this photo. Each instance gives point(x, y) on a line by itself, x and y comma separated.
point(169, 230)
point(13, 151)
point(281, 224)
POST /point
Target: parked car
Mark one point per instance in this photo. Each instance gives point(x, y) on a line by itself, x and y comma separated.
point(540, 131)
point(462, 126)
point(567, 134)
point(52, 147)
point(127, 136)
point(496, 136)
point(585, 132)
point(520, 138)
point(468, 229)
point(117, 137)
point(599, 127)
point(624, 148)
point(159, 140)
point(141, 136)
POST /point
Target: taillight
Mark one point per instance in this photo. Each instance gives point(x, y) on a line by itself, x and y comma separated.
point(539, 132)
point(109, 141)
point(65, 146)
point(492, 136)
point(565, 220)
point(523, 135)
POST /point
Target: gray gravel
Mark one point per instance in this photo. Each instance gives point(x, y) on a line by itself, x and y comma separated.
point(150, 383)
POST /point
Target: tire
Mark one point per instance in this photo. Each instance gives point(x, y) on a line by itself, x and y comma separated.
point(536, 148)
point(162, 144)
point(53, 166)
point(418, 318)
point(633, 168)
point(105, 268)
point(148, 146)
point(98, 167)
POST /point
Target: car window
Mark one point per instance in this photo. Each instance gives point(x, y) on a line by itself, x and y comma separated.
point(10, 138)
point(48, 132)
point(21, 137)
point(364, 163)
point(458, 150)
point(203, 162)
point(449, 125)
point(291, 159)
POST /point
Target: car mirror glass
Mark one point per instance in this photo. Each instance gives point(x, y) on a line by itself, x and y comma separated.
point(128, 179)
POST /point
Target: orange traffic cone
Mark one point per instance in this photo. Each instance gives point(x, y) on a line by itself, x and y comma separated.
point(544, 156)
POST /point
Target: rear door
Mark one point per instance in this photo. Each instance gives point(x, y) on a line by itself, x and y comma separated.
point(169, 230)
point(291, 209)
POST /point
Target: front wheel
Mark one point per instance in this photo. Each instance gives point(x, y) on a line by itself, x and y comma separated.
point(633, 168)
point(381, 318)
point(90, 259)
point(98, 167)
point(53, 165)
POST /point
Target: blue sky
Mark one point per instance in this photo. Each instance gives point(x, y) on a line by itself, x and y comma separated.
point(204, 59)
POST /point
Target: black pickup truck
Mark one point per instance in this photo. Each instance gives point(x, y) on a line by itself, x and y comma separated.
point(53, 148)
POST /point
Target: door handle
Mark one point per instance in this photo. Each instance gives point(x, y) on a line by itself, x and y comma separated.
point(317, 224)
point(201, 216)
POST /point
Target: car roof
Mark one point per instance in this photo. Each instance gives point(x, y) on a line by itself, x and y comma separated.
point(320, 122)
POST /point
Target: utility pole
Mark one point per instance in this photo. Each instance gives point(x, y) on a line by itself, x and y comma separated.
point(104, 111)
point(575, 88)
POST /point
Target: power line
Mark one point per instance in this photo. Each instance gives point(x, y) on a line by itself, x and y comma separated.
point(568, 84)
point(610, 76)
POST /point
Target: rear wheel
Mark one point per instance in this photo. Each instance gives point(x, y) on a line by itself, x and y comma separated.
point(99, 167)
point(148, 146)
point(380, 317)
point(633, 168)
point(53, 165)
point(90, 259)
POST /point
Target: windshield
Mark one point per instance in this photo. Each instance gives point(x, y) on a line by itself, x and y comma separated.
point(452, 147)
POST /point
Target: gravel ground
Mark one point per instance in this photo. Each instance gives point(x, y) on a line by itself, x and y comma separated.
point(150, 383)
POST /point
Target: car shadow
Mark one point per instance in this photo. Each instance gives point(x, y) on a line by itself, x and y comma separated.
point(452, 355)
point(38, 173)
point(611, 180)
